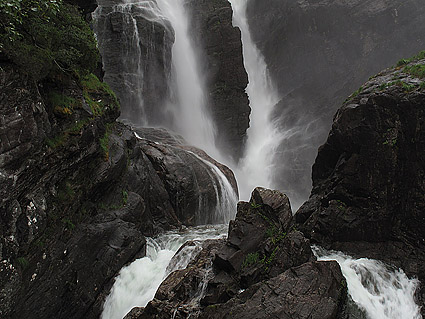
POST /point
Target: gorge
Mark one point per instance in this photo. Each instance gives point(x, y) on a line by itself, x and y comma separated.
point(94, 209)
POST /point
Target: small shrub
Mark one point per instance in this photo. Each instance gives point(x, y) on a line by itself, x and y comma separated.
point(250, 260)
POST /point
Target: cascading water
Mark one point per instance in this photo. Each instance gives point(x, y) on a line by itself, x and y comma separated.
point(225, 195)
point(137, 283)
point(378, 290)
point(192, 118)
point(256, 167)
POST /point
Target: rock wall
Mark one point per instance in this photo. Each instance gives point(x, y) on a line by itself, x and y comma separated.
point(79, 192)
point(368, 178)
point(222, 63)
point(135, 43)
point(318, 52)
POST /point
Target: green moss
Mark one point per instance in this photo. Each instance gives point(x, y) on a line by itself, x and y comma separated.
point(250, 260)
point(417, 70)
point(62, 104)
point(93, 86)
point(68, 223)
point(22, 262)
point(124, 197)
point(419, 56)
point(56, 141)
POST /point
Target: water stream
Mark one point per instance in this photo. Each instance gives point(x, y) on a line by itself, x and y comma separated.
point(256, 166)
point(380, 291)
point(137, 283)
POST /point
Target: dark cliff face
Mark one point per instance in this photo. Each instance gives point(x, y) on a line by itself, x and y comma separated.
point(135, 44)
point(368, 178)
point(222, 63)
point(318, 52)
point(80, 191)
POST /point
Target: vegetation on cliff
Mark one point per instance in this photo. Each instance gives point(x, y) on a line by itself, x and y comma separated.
point(46, 37)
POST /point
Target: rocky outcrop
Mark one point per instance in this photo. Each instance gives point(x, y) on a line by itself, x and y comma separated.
point(222, 63)
point(368, 178)
point(317, 53)
point(79, 192)
point(135, 42)
point(312, 290)
point(264, 269)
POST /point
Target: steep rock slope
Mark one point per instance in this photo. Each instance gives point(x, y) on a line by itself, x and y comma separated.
point(222, 62)
point(318, 52)
point(368, 178)
point(79, 192)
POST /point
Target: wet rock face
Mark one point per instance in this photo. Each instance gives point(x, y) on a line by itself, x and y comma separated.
point(312, 290)
point(319, 52)
point(264, 269)
point(135, 44)
point(368, 180)
point(78, 194)
point(221, 59)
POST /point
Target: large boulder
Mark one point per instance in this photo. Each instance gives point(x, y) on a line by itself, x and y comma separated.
point(260, 245)
point(368, 178)
point(222, 63)
point(317, 53)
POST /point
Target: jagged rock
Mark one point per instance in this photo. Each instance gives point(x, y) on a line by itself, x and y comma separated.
point(260, 245)
point(179, 294)
point(137, 70)
point(368, 178)
point(222, 63)
point(317, 53)
point(312, 290)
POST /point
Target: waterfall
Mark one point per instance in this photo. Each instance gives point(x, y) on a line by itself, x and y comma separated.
point(137, 283)
point(192, 118)
point(256, 167)
point(378, 290)
point(226, 197)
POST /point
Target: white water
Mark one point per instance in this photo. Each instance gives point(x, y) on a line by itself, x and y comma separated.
point(380, 291)
point(191, 114)
point(226, 197)
point(256, 167)
point(137, 283)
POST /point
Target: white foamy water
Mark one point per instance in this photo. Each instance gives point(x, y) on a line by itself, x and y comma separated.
point(256, 167)
point(192, 118)
point(382, 292)
point(137, 283)
point(226, 197)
